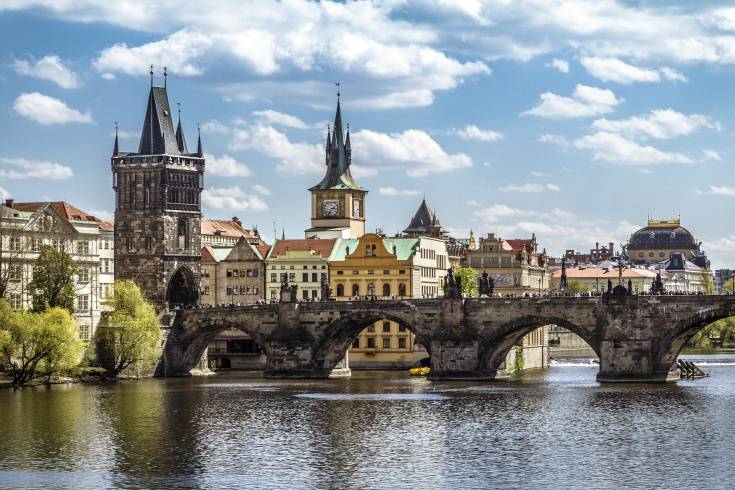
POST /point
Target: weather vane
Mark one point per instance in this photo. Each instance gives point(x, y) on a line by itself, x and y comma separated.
point(151, 72)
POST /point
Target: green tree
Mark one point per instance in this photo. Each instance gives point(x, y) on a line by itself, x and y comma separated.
point(53, 280)
point(37, 345)
point(469, 280)
point(707, 281)
point(131, 332)
point(574, 287)
point(729, 286)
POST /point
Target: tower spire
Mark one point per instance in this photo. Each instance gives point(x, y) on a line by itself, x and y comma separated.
point(200, 153)
point(165, 77)
point(180, 140)
point(151, 72)
point(116, 149)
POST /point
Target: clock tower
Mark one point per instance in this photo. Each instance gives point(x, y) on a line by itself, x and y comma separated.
point(337, 202)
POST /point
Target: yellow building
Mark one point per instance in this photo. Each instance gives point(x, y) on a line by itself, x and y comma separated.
point(385, 268)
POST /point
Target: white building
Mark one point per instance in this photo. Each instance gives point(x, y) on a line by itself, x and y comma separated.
point(26, 227)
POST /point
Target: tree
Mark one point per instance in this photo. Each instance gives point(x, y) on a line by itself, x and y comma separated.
point(707, 282)
point(37, 345)
point(729, 286)
point(131, 331)
point(53, 280)
point(574, 287)
point(469, 280)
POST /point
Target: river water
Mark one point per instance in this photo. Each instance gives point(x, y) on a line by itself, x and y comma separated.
point(556, 428)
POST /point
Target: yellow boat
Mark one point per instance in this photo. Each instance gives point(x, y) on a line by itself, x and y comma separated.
point(419, 371)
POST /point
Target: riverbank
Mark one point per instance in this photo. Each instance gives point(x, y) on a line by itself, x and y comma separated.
point(86, 376)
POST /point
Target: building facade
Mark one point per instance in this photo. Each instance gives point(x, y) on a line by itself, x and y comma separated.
point(722, 278)
point(595, 279)
point(158, 208)
point(27, 226)
point(516, 266)
point(657, 241)
point(233, 274)
point(595, 255)
point(304, 263)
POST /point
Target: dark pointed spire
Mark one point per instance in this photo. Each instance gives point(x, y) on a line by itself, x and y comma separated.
point(348, 148)
point(199, 153)
point(180, 140)
point(283, 233)
point(116, 149)
point(158, 135)
point(151, 72)
point(165, 77)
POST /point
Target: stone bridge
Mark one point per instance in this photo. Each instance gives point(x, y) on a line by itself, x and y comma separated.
point(637, 338)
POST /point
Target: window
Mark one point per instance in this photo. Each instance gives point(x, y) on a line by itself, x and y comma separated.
point(402, 343)
point(255, 273)
point(371, 328)
point(314, 277)
point(314, 293)
point(129, 244)
point(83, 302)
point(206, 290)
point(371, 289)
point(292, 277)
point(107, 244)
point(386, 289)
point(340, 290)
point(148, 243)
point(83, 274)
point(16, 273)
point(230, 291)
point(273, 294)
point(84, 332)
point(340, 273)
point(371, 343)
point(305, 277)
point(56, 243)
point(256, 290)
point(16, 301)
point(356, 343)
point(305, 294)
point(402, 271)
point(229, 272)
point(235, 273)
point(401, 289)
point(283, 276)
point(36, 244)
point(386, 342)
point(15, 244)
point(246, 273)
point(355, 290)
point(83, 247)
point(386, 326)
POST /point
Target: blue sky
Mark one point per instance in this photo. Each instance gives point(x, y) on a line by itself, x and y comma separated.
point(573, 120)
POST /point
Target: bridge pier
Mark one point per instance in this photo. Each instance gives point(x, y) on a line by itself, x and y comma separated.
point(632, 361)
point(457, 359)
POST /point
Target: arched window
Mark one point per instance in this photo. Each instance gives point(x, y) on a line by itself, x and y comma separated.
point(386, 290)
point(371, 289)
point(355, 290)
point(373, 249)
point(340, 290)
point(402, 289)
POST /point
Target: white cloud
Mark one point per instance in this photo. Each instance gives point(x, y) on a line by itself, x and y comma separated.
point(585, 101)
point(474, 203)
point(225, 166)
point(48, 110)
point(177, 52)
point(658, 124)
point(279, 118)
point(261, 190)
point(672, 75)
point(530, 187)
point(390, 191)
point(721, 190)
point(214, 127)
point(612, 147)
point(615, 70)
point(472, 132)
point(721, 251)
point(557, 64)
point(51, 68)
point(412, 150)
point(232, 198)
point(294, 158)
point(555, 139)
point(711, 155)
point(536, 173)
point(496, 212)
point(21, 168)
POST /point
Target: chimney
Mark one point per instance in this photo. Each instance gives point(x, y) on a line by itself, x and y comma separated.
point(9, 203)
point(236, 220)
point(597, 246)
point(611, 249)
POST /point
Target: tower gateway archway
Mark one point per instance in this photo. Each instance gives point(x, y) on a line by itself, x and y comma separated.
point(158, 208)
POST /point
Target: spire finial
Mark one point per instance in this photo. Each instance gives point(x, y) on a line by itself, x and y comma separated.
point(348, 127)
point(338, 93)
point(151, 72)
point(165, 76)
point(178, 105)
point(200, 151)
point(116, 148)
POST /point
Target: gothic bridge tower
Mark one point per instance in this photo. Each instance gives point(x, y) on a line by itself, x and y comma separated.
point(337, 202)
point(158, 208)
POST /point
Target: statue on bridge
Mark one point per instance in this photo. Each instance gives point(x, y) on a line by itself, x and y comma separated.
point(326, 290)
point(452, 285)
point(485, 285)
point(657, 286)
point(289, 293)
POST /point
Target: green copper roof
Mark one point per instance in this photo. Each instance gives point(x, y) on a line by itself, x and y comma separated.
point(405, 247)
point(221, 253)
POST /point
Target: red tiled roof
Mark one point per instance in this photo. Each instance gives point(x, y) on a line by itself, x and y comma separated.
point(593, 272)
point(63, 208)
point(322, 247)
point(226, 228)
point(208, 254)
point(520, 244)
point(263, 249)
point(107, 226)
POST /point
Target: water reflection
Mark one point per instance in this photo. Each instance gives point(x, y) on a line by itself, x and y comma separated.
point(550, 428)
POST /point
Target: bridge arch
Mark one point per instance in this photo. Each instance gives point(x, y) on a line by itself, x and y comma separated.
point(197, 336)
point(336, 338)
point(493, 349)
point(685, 330)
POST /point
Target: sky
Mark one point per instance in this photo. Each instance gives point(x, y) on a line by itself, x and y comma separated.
point(573, 120)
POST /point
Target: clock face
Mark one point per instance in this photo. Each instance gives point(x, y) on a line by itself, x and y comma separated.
point(330, 208)
point(356, 209)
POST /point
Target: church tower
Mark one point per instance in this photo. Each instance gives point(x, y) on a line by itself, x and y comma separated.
point(158, 208)
point(337, 202)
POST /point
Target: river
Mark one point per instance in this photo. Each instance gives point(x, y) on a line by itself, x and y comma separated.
point(556, 428)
